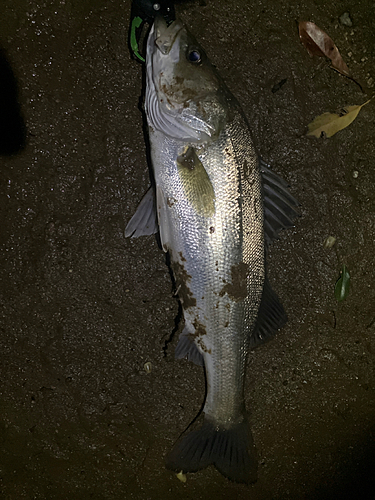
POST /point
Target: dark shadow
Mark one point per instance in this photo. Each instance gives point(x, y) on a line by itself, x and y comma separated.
point(12, 125)
point(354, 474)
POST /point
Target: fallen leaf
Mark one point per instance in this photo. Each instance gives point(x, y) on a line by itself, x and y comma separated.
point(327, 124)
point(342, 285)
point(318, 43)
point(181, 476)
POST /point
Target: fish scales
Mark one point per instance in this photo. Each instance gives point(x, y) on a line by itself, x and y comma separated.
point(208, 249)
point(211, 211)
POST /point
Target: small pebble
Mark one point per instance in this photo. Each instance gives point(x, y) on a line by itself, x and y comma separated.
point(329, 242)
point(355, 174)
point(147, 367)
point(345, 19)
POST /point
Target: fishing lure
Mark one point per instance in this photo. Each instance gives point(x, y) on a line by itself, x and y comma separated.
point(145, 11)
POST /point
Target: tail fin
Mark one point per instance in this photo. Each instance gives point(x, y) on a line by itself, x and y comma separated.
point(231, 450)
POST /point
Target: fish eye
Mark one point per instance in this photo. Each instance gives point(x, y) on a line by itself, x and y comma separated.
point(194, 56)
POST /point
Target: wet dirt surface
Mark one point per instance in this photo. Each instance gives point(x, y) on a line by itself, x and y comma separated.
point(83, 309)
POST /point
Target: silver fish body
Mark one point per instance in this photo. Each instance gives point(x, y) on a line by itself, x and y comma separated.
point(212, 217)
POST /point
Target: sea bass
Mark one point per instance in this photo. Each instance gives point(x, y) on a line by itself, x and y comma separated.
point(218, 208)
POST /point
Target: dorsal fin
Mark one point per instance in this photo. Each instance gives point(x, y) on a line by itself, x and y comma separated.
point(279, 205)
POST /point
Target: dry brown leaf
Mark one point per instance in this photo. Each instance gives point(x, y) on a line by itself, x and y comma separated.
point(318, 43)
point(327, 124)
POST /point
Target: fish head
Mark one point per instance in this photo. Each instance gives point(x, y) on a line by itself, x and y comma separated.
point(185, 98)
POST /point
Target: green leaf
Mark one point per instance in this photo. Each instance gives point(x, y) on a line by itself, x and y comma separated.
point(342, 285)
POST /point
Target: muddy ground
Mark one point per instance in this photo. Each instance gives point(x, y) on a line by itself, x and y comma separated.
point(83, 309)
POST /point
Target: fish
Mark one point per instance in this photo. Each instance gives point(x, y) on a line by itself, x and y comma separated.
point(217, 206)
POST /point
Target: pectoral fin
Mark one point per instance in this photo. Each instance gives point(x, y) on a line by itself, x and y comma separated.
point(197, 185)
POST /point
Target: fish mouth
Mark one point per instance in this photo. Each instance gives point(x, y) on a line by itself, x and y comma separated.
point(165, 35)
